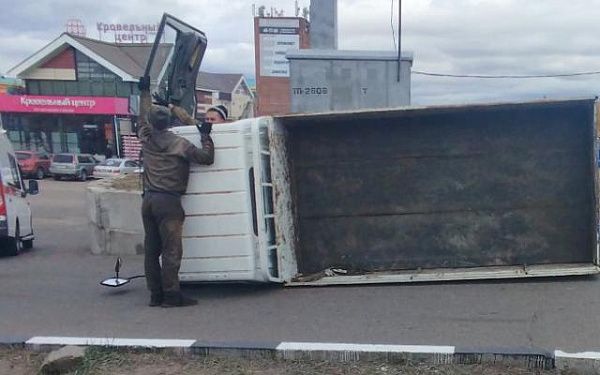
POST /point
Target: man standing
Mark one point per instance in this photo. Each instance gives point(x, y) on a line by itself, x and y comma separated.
point(166, 162)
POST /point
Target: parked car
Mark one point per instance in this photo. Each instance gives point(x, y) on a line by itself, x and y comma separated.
point(73, 166)
point(16, 230)
point(115, 167)
point(34, 164)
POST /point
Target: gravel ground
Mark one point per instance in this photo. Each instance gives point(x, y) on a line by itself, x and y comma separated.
point(100, 361)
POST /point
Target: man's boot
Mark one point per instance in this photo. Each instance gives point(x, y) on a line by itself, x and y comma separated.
point(176, 299)
point(156, 299)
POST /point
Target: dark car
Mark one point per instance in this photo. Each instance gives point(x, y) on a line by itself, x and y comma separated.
point(34, 164)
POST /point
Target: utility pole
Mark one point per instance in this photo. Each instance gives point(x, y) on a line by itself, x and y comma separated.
point(399, 37)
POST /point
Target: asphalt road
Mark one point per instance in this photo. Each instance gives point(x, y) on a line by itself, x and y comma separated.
point(52, 290)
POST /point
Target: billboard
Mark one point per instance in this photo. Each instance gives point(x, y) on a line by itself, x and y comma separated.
point(276, 37)
point(64, 104)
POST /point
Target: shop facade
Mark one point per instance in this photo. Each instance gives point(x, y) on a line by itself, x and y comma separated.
point(80, 97)
point(55, 124)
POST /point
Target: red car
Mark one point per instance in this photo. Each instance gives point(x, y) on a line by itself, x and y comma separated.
point(34, 164)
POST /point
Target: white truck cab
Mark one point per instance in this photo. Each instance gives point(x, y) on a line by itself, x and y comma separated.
point(229, 232)
point(16, 229)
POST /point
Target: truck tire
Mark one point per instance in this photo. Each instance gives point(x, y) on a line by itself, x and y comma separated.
point(57, 177)
point(39, 174)
point(27, 244)
point(83, 175)
point(13, 244)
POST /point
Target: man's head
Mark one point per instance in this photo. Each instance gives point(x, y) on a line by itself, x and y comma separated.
point(216, 115)
point(159, 117)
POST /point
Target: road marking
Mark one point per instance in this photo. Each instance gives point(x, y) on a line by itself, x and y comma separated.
point(109, 341)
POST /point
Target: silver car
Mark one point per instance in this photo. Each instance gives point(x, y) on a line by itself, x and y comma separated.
point(116, 167)
point(73, 166)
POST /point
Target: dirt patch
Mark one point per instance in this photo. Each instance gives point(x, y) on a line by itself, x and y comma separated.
point(18, 361)
point(104, 361)
point(130, 182)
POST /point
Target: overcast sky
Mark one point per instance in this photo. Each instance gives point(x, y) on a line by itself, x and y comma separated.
point(483, 37)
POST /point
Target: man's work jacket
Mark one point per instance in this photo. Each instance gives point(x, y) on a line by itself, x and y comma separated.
point(166, 156)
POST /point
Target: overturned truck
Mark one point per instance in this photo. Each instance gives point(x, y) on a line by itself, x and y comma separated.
point(400, 195)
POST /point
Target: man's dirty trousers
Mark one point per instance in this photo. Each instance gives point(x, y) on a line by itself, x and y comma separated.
point(163, 217)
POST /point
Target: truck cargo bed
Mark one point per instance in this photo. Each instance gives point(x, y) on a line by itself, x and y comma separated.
point(483, 191)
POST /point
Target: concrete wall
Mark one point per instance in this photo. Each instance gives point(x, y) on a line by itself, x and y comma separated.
point(114, 219)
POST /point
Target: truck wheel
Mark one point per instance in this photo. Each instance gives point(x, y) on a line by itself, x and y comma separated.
point(83, 175)
point(13, 247)
point(57, 177)
point(27, 244)
point(39, 174)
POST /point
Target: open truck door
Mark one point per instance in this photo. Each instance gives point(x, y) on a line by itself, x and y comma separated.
point(174, 63)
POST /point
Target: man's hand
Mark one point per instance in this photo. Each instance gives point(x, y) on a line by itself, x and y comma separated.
point(160, 100)
point(205, 128)
point(144, 83)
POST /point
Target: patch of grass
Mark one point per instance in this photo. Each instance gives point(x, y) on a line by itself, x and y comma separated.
point(101, 358)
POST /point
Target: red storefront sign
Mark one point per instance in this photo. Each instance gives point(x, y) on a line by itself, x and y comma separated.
point(79, 105)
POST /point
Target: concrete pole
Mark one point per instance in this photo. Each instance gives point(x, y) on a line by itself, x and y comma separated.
point(323, 24)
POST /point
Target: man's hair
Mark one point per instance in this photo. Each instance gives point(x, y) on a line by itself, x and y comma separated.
point(221, 110)
point(159, 117)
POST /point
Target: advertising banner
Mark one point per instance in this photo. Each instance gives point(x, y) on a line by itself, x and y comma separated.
point(84, 105)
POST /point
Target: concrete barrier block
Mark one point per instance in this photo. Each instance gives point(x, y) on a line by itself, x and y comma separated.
point(125, 243)
point(115, 221)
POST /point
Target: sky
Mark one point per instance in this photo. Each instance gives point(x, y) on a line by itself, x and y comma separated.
point(457, 37)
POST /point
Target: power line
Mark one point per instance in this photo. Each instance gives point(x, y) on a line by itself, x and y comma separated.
point(485, 76)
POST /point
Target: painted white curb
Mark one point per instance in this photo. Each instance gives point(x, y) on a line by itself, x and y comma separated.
point(368, 348)
point(580, 362)
point(108, 341)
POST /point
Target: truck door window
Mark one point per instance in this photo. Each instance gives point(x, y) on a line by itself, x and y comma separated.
point(14, 179)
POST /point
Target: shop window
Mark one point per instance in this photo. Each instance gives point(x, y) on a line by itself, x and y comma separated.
point(97, 89)
point(85, 88)
point(59, 88)
point(109, 77)
point(109, 89)
point(123, 89)
point(46, 88)
point(72, 142)
point(56, 143)
point(33, 87)
point(72, 88)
